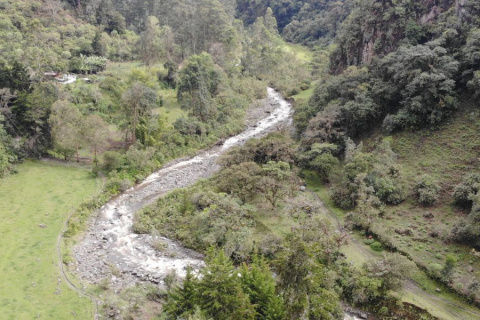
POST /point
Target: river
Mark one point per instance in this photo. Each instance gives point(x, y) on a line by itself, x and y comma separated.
point(110, 248)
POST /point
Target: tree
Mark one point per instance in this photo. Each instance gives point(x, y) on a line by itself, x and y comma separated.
point(33, 114)
point(366, 211)
point(7, 157)
point(422, 77)
point(273, 183)
point(220, 293)
point(150, 44)
point(301, 283)
point(221, 221)
point(382, 176)
point(67, 127)
point(276, 146)
point(467, 230)
point(182, 300)
point(100, 43)
point(465, 192)
point(259, 285)
point(96, 134)
point(171, 77)
point(320, 158)
point(313, 228)
point(215, 25)
point(88, 64)
point(6, 97)
point(304, 213)
point(197, 85)
point(240, 180)
point(138, 101)
point(270, 21)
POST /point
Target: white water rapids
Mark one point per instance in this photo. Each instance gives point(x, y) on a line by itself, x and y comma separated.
point(111, 247)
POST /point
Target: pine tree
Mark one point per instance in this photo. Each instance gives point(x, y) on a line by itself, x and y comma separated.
point(181, 300)
point(258, 283)
point(220, 293)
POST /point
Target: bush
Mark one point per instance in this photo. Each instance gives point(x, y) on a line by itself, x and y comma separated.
point(426, 190)
point(383, 311)
point(116, 185)
point(112, 160)
point(464, 191)
point(324, 164)
point(376, 246)
point(434, 269)
point(368, 241)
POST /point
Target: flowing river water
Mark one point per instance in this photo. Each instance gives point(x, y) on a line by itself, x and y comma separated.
point(111, 250)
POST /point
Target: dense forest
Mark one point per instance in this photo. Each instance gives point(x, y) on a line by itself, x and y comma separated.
point(382, 156)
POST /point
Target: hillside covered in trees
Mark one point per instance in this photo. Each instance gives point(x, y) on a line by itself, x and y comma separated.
point(369, 199)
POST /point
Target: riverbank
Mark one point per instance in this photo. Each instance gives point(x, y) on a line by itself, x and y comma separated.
point(112, 252)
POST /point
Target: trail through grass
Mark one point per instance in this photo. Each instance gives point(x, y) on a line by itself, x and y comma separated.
point(33, 206)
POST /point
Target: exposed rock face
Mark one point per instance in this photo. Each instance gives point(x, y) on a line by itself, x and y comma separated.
point(378, 27)
point(431, 16)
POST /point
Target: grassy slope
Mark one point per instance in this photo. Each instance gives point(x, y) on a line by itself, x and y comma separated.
point(317, 62)
point(39, 194)
point(420, 290)
point(446, 154)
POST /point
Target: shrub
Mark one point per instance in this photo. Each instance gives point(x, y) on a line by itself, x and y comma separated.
point(112, 160)
point(434, 269)
point(467, 230)
point(116, 185)
point(376, 246)
point(324, 164)
point(426, 190)
point(464, 191)
point(383, 311)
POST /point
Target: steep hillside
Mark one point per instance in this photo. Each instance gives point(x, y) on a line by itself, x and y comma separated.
point(379, 27)
point(308, 22)
point(399, 115)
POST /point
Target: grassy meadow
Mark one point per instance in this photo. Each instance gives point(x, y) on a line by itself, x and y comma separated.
point(33, 207)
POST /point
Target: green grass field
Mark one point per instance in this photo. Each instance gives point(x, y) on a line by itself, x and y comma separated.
point(31, 286)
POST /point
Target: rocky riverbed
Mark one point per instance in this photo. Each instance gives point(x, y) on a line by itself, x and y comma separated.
point(111, 251)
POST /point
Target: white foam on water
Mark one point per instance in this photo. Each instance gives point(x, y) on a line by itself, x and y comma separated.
point(281, 113)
